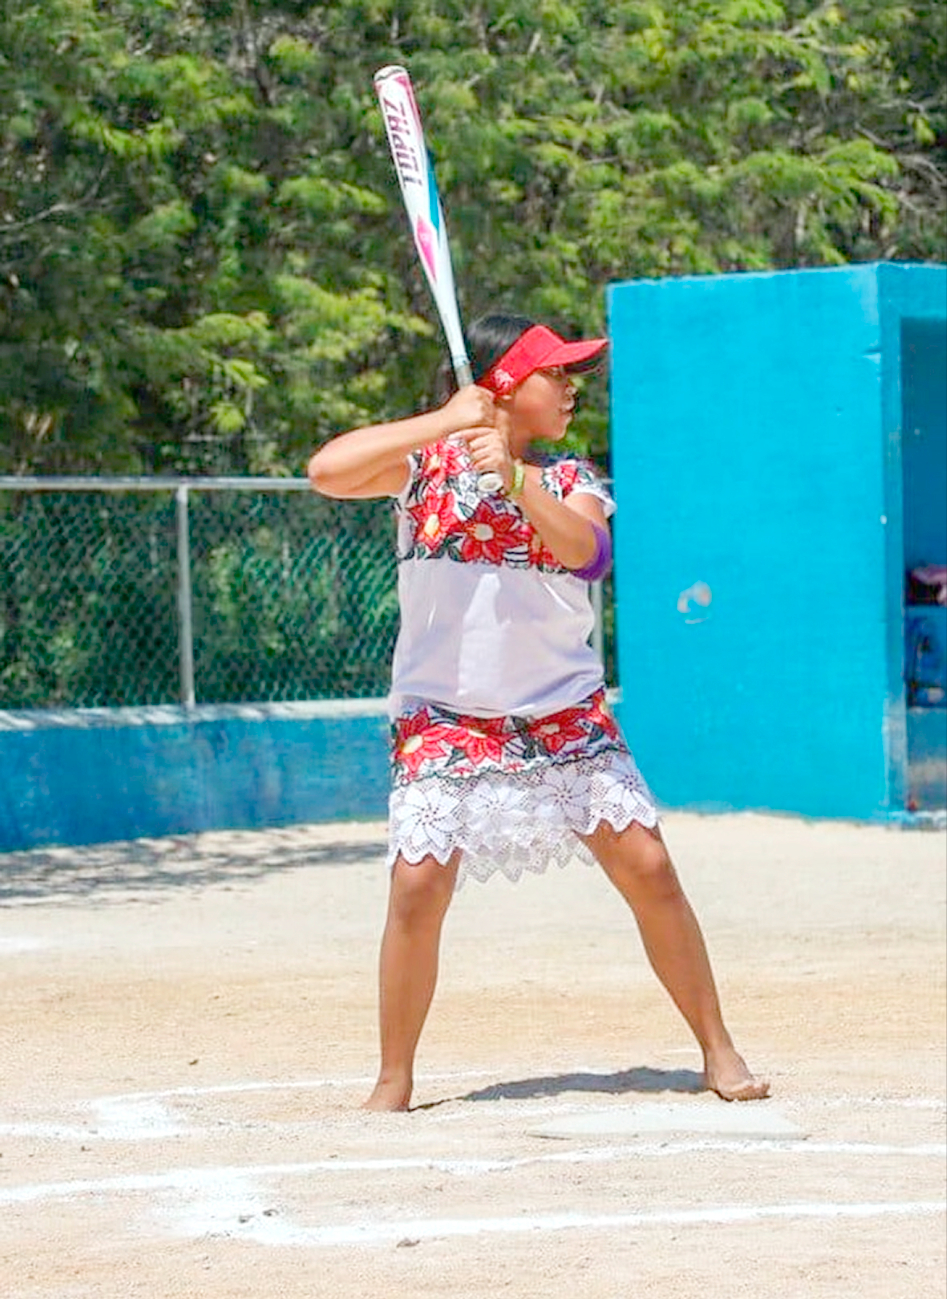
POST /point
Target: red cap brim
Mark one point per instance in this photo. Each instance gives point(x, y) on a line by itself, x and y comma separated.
point(538, 348)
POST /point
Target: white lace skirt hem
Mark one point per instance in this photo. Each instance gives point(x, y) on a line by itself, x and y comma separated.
point(511, 823)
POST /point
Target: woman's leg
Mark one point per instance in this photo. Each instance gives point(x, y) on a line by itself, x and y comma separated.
point(637, 863)
point(417, 904)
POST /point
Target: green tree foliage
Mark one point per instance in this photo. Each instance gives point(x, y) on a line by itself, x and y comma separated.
point(204, 264)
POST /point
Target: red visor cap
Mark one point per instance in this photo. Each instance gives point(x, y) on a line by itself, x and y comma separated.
point(538, 348)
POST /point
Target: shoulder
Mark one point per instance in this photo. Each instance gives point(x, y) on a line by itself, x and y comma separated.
point(431, 468)
point(572, 474)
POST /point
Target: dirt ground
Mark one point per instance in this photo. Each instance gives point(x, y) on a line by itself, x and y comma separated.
point(188, 1026)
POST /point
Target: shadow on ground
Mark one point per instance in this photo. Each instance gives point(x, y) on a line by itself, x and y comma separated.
point(640, 1079)
point(146, 868)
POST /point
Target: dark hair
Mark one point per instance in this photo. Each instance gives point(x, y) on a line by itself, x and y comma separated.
point(487, 339)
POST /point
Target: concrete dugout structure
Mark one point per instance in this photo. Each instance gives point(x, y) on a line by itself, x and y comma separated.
point(779, 450)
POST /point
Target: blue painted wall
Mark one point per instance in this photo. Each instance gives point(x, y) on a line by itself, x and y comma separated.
point(100, 775)
point(756, 433)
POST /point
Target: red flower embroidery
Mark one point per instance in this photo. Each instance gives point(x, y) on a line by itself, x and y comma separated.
point(560, 729)
point(444, 459)
point(418, 740)
point(600, 716)
point(481, 740)
point(489, 534)
point(435, 742)
point(567, 475)
point(440, 503)
point(434, 516)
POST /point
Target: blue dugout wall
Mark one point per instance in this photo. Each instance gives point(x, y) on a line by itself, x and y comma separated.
point(779, 444)
point(96, 775)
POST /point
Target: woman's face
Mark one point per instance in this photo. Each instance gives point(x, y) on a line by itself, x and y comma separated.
point(541, 407)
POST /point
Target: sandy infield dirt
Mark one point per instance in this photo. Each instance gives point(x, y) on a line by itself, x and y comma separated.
point(188, 1026)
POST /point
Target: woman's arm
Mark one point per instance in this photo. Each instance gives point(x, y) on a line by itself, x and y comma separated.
point(567, 528)
point(572, 529)
point(372, 461)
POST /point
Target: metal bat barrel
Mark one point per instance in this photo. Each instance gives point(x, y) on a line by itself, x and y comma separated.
point(422, 202)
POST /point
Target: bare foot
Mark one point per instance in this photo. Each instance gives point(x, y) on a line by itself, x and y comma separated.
point(727, 1074)
point(389, 1097)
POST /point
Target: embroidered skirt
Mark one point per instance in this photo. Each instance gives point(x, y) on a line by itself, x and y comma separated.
point(510, 793)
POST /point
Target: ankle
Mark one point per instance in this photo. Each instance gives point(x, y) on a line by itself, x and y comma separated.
point(391, 1092)
point(718, 1045)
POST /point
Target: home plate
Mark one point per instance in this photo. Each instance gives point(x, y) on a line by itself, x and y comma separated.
point(755, 1119)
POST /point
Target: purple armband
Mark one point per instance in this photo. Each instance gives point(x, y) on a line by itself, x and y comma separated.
point(601, 561)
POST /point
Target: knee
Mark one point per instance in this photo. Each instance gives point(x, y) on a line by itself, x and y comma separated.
point(420, 895)
point(642, 864)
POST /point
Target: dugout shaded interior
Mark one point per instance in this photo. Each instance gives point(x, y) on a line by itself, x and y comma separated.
point(779, 450)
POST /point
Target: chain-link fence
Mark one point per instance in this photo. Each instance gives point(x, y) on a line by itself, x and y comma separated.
point(152, 591)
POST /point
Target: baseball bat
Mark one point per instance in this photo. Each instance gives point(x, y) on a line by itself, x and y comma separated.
point(422, 202)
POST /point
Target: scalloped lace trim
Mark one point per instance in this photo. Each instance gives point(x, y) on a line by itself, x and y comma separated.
point(513, 824)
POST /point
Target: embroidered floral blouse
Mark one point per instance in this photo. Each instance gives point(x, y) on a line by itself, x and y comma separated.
point(491, 624)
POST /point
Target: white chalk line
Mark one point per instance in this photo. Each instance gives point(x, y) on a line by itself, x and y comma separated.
point(877, 1102)
point(140, 1116)
point(228, 1201)
point(270, 1230)
point(190, 1180)
point(18, 944)
point(291, 1084)
point(109, 1120)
